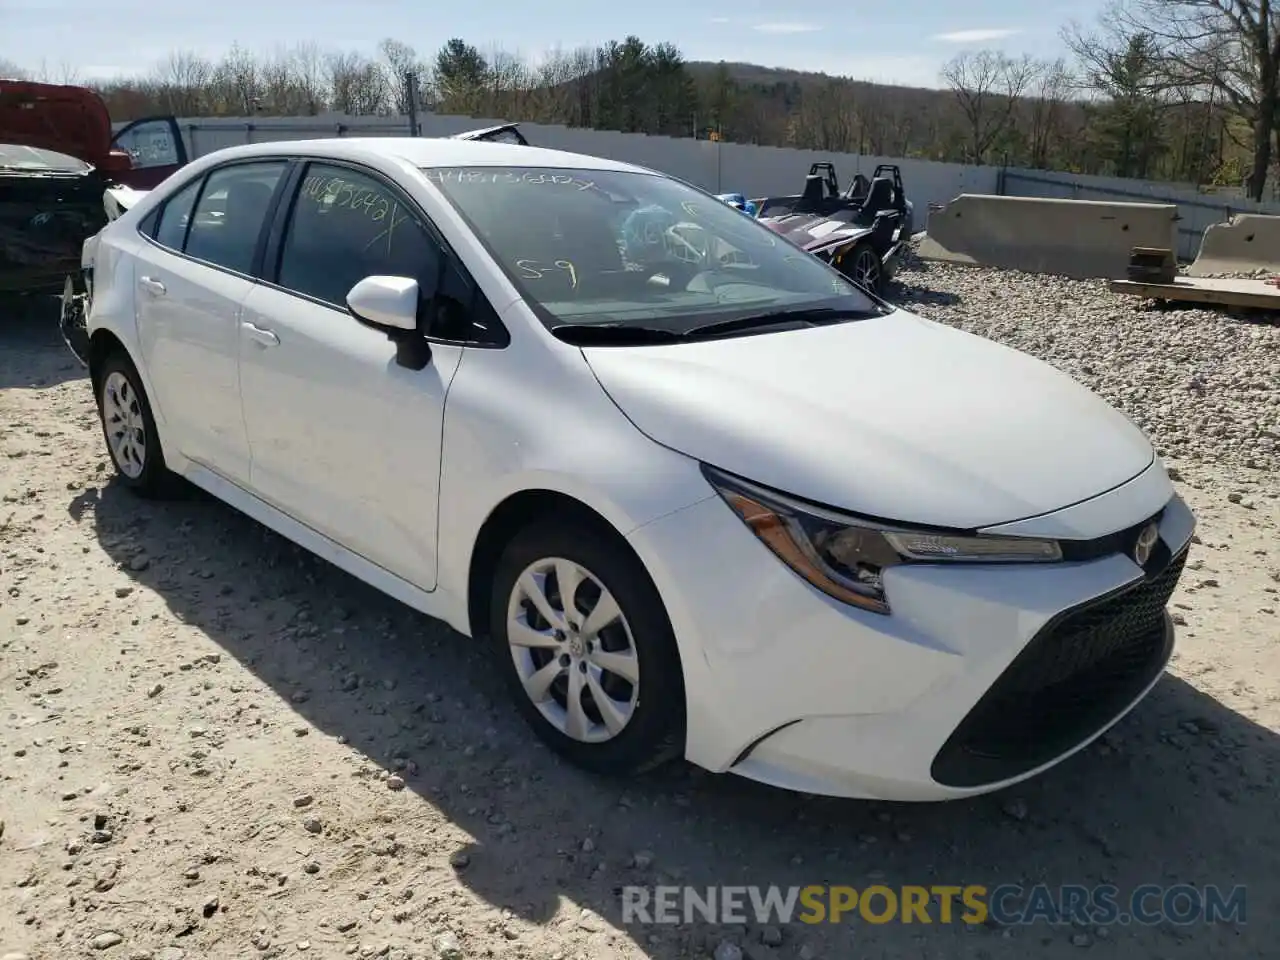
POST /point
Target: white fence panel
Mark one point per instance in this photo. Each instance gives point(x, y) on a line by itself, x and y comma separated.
point(744, 168)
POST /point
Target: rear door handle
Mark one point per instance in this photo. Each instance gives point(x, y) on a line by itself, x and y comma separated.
point(151, 285)
point(266, 338)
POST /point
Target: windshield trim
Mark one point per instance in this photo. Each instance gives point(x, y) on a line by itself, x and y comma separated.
point(724, 312)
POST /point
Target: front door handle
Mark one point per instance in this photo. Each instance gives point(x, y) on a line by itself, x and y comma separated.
point(266, 338)
point(151, 285)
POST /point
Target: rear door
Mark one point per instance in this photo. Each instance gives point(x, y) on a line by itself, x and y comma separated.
point(156, 148)
point(192, 278)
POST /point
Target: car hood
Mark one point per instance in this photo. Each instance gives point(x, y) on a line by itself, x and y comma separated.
point(64, 119)
point(894, 417)
point(814, 232)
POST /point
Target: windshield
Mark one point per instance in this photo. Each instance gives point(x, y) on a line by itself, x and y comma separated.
point(16, 157)
point(594, 247)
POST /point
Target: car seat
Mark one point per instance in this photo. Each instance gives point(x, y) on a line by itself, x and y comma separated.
point(881, 197)
point(813, 199)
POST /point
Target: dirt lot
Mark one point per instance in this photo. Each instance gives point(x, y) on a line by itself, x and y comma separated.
point(212, 745)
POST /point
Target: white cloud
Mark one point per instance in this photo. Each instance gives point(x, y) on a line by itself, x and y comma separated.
point(974, 36)
point(786, 28)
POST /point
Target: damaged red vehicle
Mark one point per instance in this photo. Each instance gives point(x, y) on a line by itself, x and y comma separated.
point(59, 163)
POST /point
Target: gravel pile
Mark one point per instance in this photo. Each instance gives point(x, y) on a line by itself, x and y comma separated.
point(1203, 384)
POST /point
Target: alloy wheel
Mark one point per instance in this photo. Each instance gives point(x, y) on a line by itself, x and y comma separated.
point(573, 650)
point(866, 269)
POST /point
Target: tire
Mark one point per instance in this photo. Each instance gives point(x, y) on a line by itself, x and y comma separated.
point(129, 429)
point(640, 641)
point(865, 268)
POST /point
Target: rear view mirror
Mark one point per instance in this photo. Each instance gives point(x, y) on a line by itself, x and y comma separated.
point(385, 303)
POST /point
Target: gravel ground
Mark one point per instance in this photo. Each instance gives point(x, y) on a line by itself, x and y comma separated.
point(1204, 385)
point(213, 745)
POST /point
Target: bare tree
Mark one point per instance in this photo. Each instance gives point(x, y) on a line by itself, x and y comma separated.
point(987, 85)
point(1229, 46)
point(1047, 95)
point(236, 83)
point(556, 86)
point(278, 88)
point(309, 74)
point(61, 72)
point(401, 61)
point(183, 81)
point(357, 84)
point(508, 85)
point(828, 118)
point(1127, 72)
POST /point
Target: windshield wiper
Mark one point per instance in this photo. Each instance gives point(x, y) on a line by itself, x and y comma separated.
point(613, 334)
point(774, 318)
point(624, 334)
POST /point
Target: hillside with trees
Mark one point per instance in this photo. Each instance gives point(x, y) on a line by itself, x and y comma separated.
point(1180, 90)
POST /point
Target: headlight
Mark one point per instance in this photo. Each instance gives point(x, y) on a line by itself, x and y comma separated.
point(845, 557)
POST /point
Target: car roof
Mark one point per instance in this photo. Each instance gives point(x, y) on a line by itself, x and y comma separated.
point(430, 152)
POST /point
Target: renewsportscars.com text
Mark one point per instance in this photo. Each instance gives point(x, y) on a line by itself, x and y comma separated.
point(1006, 904)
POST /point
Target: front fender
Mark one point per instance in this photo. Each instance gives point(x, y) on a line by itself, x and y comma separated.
point(539, 421)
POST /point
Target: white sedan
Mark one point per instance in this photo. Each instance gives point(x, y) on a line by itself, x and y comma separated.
point(703, 496)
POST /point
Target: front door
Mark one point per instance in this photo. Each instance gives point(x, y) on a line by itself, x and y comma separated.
point(191, 283)
point(342, 438)
point(155, 146)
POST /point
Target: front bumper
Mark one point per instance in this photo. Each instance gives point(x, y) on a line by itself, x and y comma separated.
point(982, 676)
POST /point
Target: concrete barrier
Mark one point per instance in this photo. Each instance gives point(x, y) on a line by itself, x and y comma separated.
point(1247, 243)
point(1069, 238)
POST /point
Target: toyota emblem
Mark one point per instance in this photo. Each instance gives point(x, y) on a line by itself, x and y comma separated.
point(1145, 544)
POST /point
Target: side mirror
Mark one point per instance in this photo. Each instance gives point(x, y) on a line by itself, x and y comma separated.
point(385, 303)
point(390, 304)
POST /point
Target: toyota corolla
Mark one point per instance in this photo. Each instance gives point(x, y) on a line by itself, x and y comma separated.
point(702, 495)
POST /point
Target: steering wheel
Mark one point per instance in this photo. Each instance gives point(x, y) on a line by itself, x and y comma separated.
point(687, 242)
point(673, 274)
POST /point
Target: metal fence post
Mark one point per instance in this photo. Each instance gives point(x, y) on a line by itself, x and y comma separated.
point(411, 94)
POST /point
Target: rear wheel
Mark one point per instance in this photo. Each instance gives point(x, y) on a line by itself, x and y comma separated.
point(587, 649)
point(129, 428)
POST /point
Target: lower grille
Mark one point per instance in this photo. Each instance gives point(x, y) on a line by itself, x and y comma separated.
point(1082, 668)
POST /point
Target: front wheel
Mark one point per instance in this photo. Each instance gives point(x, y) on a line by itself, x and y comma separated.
point(864, 268)
point(587, 649)
point(129, 428)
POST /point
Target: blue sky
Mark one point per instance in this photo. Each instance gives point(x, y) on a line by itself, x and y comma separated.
point(904, 41)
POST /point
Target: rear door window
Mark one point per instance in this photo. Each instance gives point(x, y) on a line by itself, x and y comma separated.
point(228, 218)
